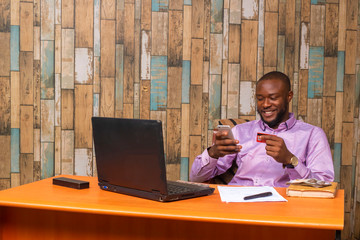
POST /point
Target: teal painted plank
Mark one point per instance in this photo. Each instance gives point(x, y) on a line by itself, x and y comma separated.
point(316, 72)
point(337, 161)
point(119, 77)
point(214, 98)
point(47, 70)
point(14, 47)
point(15, 150)
point(97, 28)
point(160, 5)
point(96, 105)
point(47, 160)
point(261, 24)
point(184, 169)
point(187, 2)
point(317, 2)
point(340, 71)
point(185, 86)
point(216, 16)
point(158, 92)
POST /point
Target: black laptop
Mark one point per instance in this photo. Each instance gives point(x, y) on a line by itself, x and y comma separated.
point(130, 160)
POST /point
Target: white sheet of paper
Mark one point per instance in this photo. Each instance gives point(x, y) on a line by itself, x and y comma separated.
point(237, 194)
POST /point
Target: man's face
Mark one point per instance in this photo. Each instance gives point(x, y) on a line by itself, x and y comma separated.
point(273, 99)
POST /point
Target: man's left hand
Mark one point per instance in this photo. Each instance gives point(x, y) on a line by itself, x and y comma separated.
point(276, 148)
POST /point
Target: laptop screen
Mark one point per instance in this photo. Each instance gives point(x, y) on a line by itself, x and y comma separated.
point(130, 153)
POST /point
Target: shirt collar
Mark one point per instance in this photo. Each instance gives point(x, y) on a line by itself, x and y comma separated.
point(284, 126)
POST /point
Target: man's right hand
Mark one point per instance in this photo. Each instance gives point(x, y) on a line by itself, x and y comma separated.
point(223, 145)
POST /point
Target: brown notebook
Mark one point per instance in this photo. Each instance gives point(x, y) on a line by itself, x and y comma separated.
point(297, 190)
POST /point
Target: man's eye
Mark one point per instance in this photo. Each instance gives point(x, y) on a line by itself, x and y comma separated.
point(260, 99)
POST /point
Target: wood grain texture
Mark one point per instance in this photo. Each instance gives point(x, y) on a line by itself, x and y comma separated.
point(14, 100)
point(26, 129)
point(159, 33)
point(67, 109)
point(145, 99)
point(249, 32)
point(67, 58)
point(339, 116)
point(185, 130)
point(175, 40)
point(82, 120)
point(107, 48)
point(350, 54)
point(233, 91)
point(47, 121)
point(5, 157)
point(26, 78)
point(67, 12)
point(67, 151)
point(328, 119)
point(317, 21)
point(331, 30)
point(37, 93)
point(272, 5)
point(26, 168)
point(234, 43)
point(173, 129)
point(235, 12)
point(195, 148)
point(330, 67)
point(146, 15)
point(174, 83)
point(84, 23)
point(129, 30)
point(47, 12)
point(349, 98)
point(4, 54)
point(108, 9)
point(215, 54)
point(5, 106)
point(270, 43)
point(197, 53)
point(107, 107)
point(197, 19)
point(195, 109)
point(187, 33)
point(83, 162)
point(26, 27)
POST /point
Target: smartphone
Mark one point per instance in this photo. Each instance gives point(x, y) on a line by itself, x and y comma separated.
point(226, 128)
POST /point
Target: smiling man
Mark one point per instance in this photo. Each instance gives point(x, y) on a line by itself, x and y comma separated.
point(270, 151)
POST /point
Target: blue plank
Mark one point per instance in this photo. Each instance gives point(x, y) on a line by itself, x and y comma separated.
point(47, 160)
point(214, 98)
point(119, 79)
point(158, 92)
point(216, 16)
point(15, 150)
point(97, 28)
point(318, 2)
point(187, 2)
point(337, 161)
point(185, 86)
point(340, 71)
point(160, 5)
point(316, 72)
point(184, 169)
point(47, 70)
point(14, 47)
point(96, 105)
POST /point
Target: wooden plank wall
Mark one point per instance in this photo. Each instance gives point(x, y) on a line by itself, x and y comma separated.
point(183, 62)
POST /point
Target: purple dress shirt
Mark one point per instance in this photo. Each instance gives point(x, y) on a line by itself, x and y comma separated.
point(307, 142)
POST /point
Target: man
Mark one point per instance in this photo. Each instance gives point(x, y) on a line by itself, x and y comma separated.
point(291, 149)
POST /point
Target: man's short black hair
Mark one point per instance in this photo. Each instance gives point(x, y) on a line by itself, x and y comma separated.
point(277, 75)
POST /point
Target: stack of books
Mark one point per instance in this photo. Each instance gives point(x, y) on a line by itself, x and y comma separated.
point(311, 188)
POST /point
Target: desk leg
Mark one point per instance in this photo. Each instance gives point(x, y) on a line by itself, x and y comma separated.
point(22, 223)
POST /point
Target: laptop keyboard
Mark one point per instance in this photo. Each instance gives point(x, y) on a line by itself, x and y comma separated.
point(178, 189)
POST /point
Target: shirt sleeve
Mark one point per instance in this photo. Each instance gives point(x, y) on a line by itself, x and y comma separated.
point(318, 163)
point(205, 167)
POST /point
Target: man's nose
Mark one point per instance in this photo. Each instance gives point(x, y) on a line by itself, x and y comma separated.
point(266, 103)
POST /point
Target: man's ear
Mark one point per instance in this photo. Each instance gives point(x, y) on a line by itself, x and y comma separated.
point(290, 96)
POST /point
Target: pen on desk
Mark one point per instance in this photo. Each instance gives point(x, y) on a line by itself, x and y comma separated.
point(259, 195)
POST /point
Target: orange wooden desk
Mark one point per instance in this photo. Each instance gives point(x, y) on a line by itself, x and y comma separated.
point(41, 210)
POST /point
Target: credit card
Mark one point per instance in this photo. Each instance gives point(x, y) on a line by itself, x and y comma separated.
point(262, 140)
